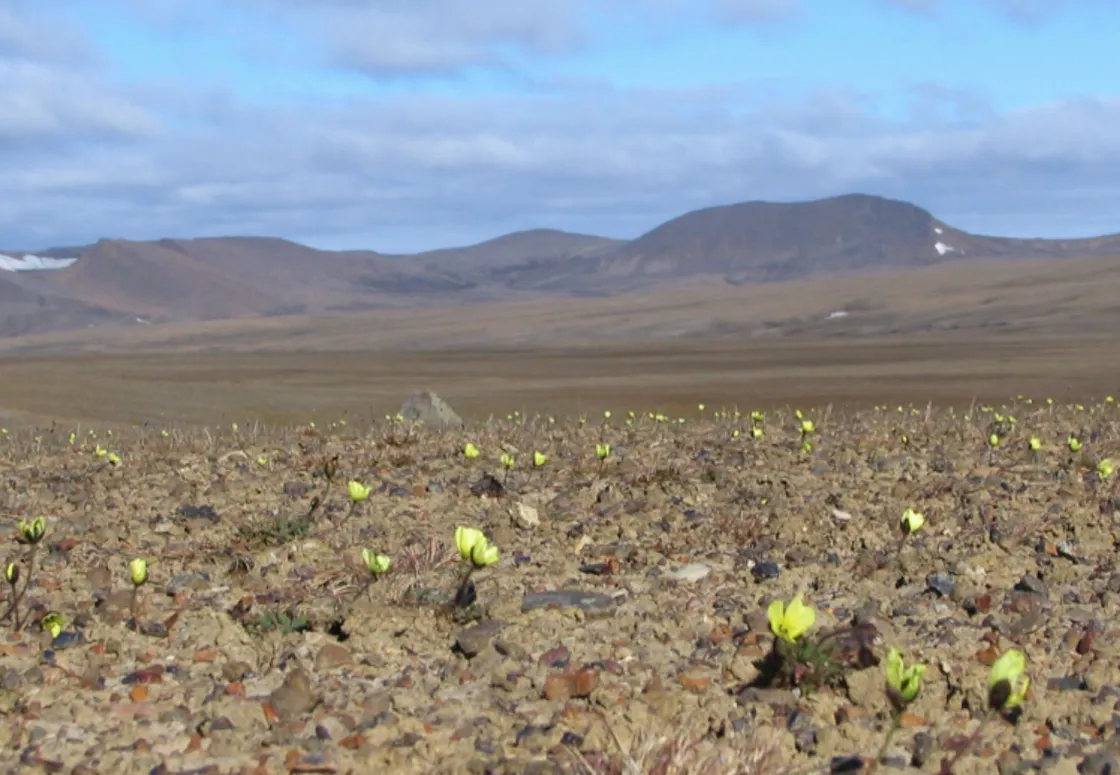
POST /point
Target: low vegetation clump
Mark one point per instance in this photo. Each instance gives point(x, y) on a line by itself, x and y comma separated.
point(733, 591)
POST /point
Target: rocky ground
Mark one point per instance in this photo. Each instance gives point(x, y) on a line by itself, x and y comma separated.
point(624, 628)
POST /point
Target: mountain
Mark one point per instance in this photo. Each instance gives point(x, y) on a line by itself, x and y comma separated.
point(118, 281)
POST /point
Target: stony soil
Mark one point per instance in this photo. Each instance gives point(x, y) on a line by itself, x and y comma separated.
point(620, 633)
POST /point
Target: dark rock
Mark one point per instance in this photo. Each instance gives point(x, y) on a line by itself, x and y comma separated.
point(199, 512)
point(766, 570)
point(66, 640)
point(489, 486)
point(842, 765)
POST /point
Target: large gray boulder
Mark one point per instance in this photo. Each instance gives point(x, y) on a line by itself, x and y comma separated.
point(428, 408)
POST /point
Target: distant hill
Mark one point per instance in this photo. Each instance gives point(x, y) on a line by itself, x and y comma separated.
point(123, 282)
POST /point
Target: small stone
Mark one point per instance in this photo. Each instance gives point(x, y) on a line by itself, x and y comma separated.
point(691, 572)
point(332, 656)
point(564, 686)
point(511, 650)
point(1032, 584)
point(766, 570)
point(697, 684)
point(525, 516)
point(941, 583)
point(843, 765)
point(473, 640)
point(294, 697)
point(556, 657)
point(1068, 683)
point(588, 602)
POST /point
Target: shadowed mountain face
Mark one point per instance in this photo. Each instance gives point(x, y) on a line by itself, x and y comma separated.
point(139, 283)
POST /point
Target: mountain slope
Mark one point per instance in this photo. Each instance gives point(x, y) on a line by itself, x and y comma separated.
point(741, 244)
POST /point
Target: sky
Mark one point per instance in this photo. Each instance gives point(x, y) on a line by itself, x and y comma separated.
point(405, 125)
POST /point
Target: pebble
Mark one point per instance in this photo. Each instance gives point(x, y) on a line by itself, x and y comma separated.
point(588, 602)
point(941, 583)
point(766, 570)
point(332, 656)
point(474, 639)
point(691, 572)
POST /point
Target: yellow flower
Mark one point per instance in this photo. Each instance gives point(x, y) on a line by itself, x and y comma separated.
point(700, 407)
point(1074, 444)
point(114, 458)
point(138, 571)
point(1008, 681)
point(912, 521)
point(484, 553)
point(466, 538)
point(539, 459)
point(606, 414)
point(756, 433)
point(790, 622)
point(905, 681)
point(53, 622)
point(1035, 444)
point(603, 451)
point(262, 461)
point(376, 563)
point(807, 426)
point(507, 460)
point(357, 491)
point(470, 451)
point(11, 573)
point(1105, 468)
point(33, 531)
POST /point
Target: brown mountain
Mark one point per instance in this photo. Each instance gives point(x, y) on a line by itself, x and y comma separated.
point(759, 242)
point(741, 244)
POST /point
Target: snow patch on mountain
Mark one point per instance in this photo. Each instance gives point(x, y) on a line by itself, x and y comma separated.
point(32, 263)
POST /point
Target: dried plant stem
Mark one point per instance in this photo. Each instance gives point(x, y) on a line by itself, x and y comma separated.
point(18, 623)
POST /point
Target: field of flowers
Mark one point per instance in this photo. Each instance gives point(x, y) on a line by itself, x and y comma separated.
point(903, 589)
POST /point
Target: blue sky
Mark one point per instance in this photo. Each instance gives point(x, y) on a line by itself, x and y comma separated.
point(402, 125)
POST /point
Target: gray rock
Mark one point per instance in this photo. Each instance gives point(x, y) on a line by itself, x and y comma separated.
point(588, 602)
point(430, 409)
point(692, 572)
point(1032, 584)
point(473, 640)
point(1103, 763)
point(941, 583)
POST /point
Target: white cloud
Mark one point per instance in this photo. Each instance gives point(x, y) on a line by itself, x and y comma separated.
point(81, 158)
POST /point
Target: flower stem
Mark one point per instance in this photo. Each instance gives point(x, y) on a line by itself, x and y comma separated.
point(896, 724)
point(132, 608)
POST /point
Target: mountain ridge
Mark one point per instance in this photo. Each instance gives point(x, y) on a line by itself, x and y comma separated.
point(137, 282)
